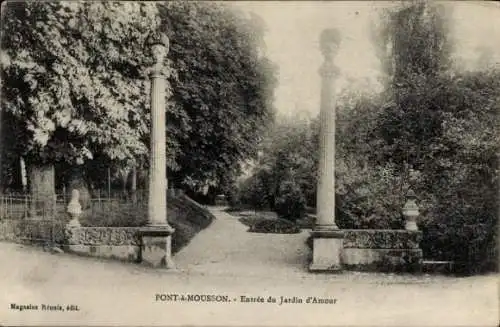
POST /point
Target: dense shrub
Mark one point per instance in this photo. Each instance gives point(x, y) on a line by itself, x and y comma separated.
point(461, 223)
point(276, 226)
point(369, 197)
point(290, 202)
point(288, 155)
point(255, 191)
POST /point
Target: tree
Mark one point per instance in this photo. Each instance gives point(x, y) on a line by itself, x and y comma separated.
point(75, 85)
point(286, 168)
point(442, 121)
point(222, 90)
point(414, 48)
point(73, 80)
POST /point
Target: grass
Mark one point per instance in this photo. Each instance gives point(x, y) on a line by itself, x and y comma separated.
point(183, 214)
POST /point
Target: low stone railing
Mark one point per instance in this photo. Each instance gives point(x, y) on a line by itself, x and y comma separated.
point(122, 243)
point(381, 250)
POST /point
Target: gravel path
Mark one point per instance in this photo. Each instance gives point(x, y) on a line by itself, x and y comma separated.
point(226, 248)
point(226, 260)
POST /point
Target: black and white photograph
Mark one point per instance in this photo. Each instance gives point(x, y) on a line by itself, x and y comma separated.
point(249, 163)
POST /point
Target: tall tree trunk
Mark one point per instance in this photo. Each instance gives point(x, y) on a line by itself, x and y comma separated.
point(42, 191)
point(77, 181)
point(124, 173)
point(24, 177)
point(133, 184)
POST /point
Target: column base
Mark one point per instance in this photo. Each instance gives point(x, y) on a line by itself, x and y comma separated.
point(73, 223)
point(327, 250)
point(411, 225)
point(329, 227)
point(156, 248)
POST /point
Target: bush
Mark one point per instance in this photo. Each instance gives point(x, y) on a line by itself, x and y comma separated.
point(254, 192)
point(461, 223)
point(368, 197)
point(290, 202)
point(277, 226)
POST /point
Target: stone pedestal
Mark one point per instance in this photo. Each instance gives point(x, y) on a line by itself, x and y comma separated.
point(156, 246)
point(327, 250)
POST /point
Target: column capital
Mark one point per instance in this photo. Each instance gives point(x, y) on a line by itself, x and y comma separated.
point(158, 70)
point(329, 40)
point(328, 69)
point(329, 44)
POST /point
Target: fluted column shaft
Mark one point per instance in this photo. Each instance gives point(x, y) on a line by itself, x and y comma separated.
point(157, 205)
point(325, 197)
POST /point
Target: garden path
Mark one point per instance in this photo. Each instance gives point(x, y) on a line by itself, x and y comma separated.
point(226, 248)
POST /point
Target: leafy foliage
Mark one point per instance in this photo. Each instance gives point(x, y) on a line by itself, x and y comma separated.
point(444, 122)
point(75, 86)
point(290, 202)
point(222, 92)
point(73, 78)
point(277, 226)
point(260, 224)
point(187, 219)
point(285, 170)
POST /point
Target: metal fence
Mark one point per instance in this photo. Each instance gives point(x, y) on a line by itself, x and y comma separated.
point(43, 219)
point(16, 206)
point(32, 220)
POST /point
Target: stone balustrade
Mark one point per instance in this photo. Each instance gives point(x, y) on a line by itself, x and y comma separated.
point(382, 250)
point(115, 236)
point(381, 239)
point(122, 243)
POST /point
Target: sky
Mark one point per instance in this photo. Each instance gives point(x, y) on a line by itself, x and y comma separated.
point(292, 42)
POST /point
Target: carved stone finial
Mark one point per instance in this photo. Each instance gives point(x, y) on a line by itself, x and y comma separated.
point(411, 210)
point(158, 45)
point(74, 208)
point(157, 38)
point(329, 42)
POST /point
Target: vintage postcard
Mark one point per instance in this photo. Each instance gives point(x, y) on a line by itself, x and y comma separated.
point(249, 163)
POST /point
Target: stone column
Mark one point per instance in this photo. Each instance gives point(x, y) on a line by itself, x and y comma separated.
point(156, 236)
point(157, 204)
point(327, 238)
